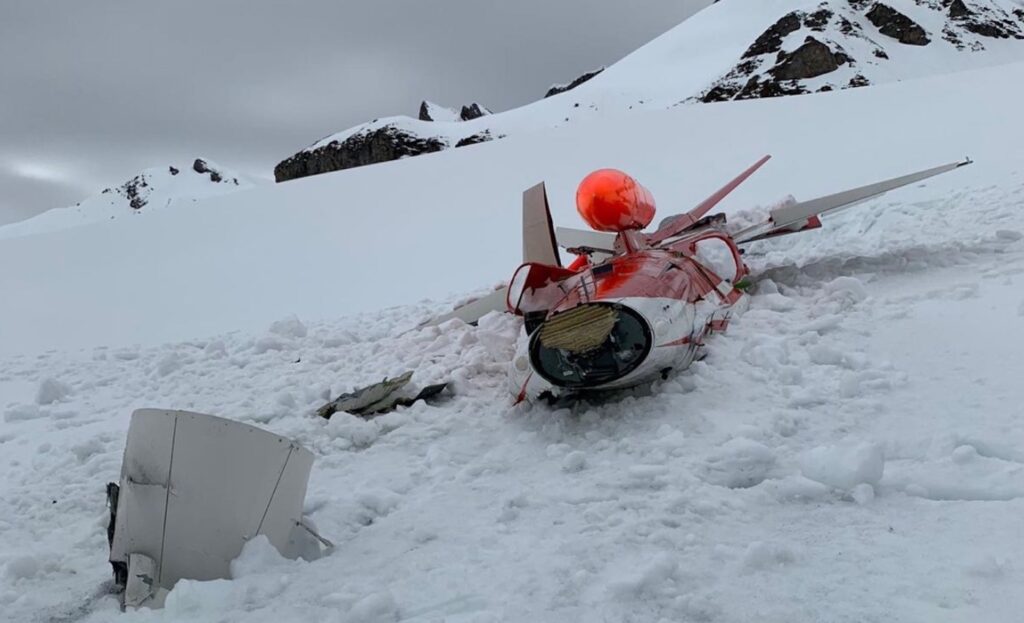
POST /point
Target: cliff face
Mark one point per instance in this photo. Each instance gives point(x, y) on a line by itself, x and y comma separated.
point(380, 145)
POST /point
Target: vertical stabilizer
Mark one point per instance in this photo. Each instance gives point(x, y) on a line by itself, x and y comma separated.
point(539, 245)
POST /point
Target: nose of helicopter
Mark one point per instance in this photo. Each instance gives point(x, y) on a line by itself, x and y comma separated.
point(590, 345)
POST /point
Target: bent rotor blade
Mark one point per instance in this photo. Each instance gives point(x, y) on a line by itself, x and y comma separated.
point(681, 222)
point(795, 217)
point(538, 232)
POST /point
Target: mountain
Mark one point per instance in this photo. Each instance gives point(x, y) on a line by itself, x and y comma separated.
point(153, 189)
point(733, 49)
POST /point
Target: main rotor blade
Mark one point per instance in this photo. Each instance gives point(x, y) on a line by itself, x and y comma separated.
point(794, 217)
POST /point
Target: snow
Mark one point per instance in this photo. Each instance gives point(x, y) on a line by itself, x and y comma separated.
point(851, 450)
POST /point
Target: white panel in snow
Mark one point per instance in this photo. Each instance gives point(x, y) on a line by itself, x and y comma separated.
point(221, 483)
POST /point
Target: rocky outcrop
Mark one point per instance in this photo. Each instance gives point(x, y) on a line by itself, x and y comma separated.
point(473, 111)
point(985, 21)
point(562, 88)
point(892, 23)
point(811, 59)
point(770, 41)
point(772, 67)
point(473, 139)
point(202, 167)
point(432, 112)
point(370, 147)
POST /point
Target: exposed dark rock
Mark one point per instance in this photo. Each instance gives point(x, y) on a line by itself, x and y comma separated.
point(848, 28)
point(880, 53)
point(562, 88)
point(771, 40)
point(134, 191)
point(473, 111)
point(380, 145)
point(959, 10)
point(858, 81)
point(858, 4)
point(811, 59)
point(755, 88)
point(473, 139)
point(720, 93)
point(173, 170)
point(825, 89)
point(200, 166)
point(818, 20)
point(892, 23)
point(424, 112)
point(986, 22)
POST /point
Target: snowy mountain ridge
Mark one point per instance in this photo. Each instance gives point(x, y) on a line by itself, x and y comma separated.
point(733, 49)
point(153, 189)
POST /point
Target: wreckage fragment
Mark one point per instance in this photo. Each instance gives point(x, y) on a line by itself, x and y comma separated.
point(194, 488)
point(379, 398)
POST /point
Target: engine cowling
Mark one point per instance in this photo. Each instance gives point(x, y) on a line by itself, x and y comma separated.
point(610, 200)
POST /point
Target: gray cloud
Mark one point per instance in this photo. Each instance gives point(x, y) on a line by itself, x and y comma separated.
point(92, 92)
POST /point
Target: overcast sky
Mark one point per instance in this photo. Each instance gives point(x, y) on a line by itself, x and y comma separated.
point(92, 92)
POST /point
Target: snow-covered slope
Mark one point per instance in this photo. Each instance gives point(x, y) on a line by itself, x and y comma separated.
point(733, 49)
point(851, 450)
point(155, 188)
point(448, 223)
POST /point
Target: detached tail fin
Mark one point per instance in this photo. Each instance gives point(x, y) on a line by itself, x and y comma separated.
point(805, 214)
point(681, 222)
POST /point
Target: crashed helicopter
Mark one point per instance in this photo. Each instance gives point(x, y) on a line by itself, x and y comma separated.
point(634, 306)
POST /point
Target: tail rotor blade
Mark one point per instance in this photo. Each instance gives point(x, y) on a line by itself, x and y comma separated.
point(679, 223)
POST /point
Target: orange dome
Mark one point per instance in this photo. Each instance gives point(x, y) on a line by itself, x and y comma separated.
point(610, 200)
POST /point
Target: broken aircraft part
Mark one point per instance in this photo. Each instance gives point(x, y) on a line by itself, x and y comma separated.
point(379, 398)
point(194, 488)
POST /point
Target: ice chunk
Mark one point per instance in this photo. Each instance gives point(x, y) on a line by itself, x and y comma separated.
point(51, 390)
point(844, 466)
point(739, 463)
point(574, 462)
point(763, 556)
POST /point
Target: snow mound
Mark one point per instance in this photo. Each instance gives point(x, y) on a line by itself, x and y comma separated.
point(845, 466)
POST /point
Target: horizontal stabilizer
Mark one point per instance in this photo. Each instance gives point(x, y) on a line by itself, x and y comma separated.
point(800, 216)
point(474, 310)
point(600, 241)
